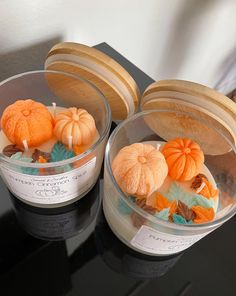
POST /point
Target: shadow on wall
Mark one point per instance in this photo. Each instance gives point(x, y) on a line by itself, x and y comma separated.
point(25, 59)
point(185, 28)
point(227, 82)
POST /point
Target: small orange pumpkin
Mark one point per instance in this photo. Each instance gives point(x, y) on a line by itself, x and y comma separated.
point(77, 123)
point(27, 120)
point(184, 158)
point(139, 169)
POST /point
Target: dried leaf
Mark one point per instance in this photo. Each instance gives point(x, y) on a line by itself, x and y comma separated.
point(11, 149)
point(197, 182)
point(208, 191)
point(185, 212)
point(190, 199)
point(178, 219)
point(37, 153)
point(162, 202)
point(203, 215)
point(142, 204)
point(137, 220)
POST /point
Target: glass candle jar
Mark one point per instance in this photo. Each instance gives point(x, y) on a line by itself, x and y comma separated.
point(57, 183)
point(143, 231)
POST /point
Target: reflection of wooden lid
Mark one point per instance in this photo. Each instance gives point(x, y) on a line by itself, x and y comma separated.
point(205, 114)
point(119, 88)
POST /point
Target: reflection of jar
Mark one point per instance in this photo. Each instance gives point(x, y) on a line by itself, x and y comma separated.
point(173, 109)
point(59, 223)
point(122, 259)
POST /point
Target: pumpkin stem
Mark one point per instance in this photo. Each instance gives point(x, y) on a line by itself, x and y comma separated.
point(26, 112)
point(187, 150)
point(142, 159)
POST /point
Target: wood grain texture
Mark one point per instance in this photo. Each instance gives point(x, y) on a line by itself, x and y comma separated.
point(101, 60)
point(204, 126)
point(194, 89)
point(117, 102)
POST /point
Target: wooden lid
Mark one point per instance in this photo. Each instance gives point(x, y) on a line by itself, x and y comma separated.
point(195, 111)
point(119, 88)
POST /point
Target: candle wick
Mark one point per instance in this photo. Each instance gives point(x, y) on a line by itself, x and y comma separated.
point(201, 187)
point(70, 142)
point(54, 105)
point(25, 144)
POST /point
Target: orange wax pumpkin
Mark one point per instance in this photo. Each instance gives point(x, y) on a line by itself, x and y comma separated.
point(139, 169)
point(184, 158)
point(77, 123)
point(27, 120)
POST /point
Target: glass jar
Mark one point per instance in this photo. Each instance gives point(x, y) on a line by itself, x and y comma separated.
point(139, 229)
point(55, 184)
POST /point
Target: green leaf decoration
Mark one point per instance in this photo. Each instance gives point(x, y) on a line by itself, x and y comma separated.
point(178, 219)
point(19, 156)
point(25, 170)
point(163, 214)
point(59, 152)
point(176, 192)
point(123, 208)
point(30, 171)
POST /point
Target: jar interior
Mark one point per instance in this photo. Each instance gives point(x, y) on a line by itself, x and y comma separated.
point(163, 125)
point(65, 90)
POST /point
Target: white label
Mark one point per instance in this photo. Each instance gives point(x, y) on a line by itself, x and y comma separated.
point(51, 189)
point(156, 242)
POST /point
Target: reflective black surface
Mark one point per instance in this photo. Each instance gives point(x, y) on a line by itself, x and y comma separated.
point(71, 251)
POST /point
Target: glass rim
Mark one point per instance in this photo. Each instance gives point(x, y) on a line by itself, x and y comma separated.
point(188, 227)
point(105, 132)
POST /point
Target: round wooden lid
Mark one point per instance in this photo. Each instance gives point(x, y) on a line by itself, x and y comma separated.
point(195, 111)
point(119, 88)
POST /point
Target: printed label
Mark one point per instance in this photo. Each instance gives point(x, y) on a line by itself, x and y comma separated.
point(156, 242)
point(51, 189)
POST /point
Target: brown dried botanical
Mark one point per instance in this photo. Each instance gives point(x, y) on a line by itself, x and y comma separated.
point(142, 204)
point(185, 212)
point(198, 181)
point(38, 153)
point(11, 149)
point(137, 220)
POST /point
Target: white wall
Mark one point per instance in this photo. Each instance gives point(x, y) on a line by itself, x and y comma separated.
point(186, 39)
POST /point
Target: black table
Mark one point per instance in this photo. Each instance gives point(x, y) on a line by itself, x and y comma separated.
point(75, 253)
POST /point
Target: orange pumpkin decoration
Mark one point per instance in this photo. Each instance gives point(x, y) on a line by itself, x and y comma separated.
point(139, 169)
point(79, 150)
point(77, 123)
point(27, 120)
point(184, 158)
